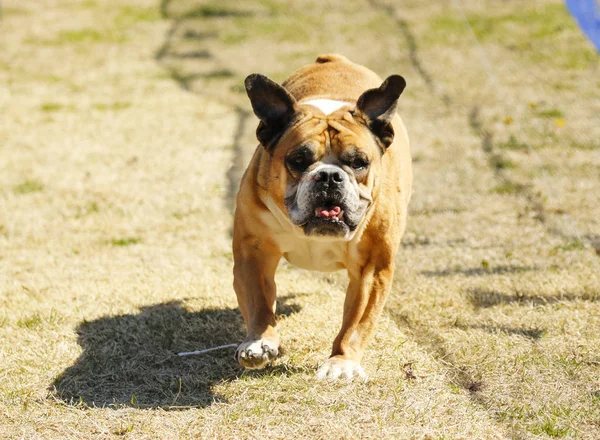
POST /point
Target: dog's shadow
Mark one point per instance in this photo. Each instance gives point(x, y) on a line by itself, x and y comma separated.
point(132, 359)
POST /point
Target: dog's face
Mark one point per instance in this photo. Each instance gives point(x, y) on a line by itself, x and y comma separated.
point(323, 170)
point(330, 175)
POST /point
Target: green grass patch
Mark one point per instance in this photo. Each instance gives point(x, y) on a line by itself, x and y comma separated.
point(50, 107)
point(87, 209)
point(123, 429)
point(46, 78)
point(533, 32)
point(29, 186)
point(575, 57)
point(125, 241)
point(573, 245)
point(8, 11)
point(536, 23)
point(137, 14)
point(219, 74)
point(546, 168)
point(378, 25)
point(80, 37)
point(508, 188)
point(180, 215)
point(115, 106)
point(234, 37)
point(447, 23)
point(37, 320)
point(128, 16)
point(551, 428)
point(30, 322)
point(212, 11)
point(88, 4)
point(563, 86)
point(513, 144)
point(275, 28)
point(585, 146)
point(526, 24)
point(51, 79)
point(501, 163)
point(550, 113)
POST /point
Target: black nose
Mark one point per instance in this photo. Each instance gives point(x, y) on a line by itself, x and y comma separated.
point(330, 176)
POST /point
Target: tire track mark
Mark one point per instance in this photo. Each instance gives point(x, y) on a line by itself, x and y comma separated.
point(436, 346)
point(432, 341)
point(496, 160)
point(413, 49)
point(186, 54)
point(238, 165)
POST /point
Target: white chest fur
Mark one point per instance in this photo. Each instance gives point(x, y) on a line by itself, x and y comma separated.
point(311, 253)
point(315, 254)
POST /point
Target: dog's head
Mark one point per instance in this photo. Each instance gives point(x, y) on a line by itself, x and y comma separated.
point(323, 170)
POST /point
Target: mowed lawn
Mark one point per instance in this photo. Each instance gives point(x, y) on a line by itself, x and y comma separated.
point(124, 130)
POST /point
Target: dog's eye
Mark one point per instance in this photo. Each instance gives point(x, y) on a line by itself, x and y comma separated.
point(359, 163)
point(299, 162)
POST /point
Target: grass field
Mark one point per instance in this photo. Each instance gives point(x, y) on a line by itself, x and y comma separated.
point(124, 130)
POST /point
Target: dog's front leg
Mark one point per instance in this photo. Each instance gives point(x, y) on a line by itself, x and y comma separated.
point(254, 284)
point(365, 298)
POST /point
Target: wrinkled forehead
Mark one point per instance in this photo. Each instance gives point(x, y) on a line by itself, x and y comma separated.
point(327, 135)
point(346, 132)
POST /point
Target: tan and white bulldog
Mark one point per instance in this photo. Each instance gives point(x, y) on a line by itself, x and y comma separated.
point(327, 189)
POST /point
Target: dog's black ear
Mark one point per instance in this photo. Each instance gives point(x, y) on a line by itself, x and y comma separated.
point(378, 106)
point(273, 105)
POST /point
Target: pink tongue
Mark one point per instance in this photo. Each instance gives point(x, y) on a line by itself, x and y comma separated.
point(330, 212)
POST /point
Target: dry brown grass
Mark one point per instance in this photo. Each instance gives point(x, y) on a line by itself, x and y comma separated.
point(122, 137)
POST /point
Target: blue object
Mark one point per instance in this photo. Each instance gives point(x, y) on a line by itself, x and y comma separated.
point(587, 15)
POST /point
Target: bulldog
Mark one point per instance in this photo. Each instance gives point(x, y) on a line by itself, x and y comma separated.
point(327, 189)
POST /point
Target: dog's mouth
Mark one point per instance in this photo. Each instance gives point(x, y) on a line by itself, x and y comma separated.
point(332, 213)
point(328, 220)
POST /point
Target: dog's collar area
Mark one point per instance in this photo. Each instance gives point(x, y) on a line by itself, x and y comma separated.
point(327, 106)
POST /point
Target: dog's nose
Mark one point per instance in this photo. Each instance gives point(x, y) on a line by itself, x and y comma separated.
point(330, 175)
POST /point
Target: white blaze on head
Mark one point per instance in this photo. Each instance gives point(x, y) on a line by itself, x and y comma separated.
point(327, 106)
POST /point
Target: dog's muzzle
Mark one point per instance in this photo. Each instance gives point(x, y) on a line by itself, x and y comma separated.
point(325, 203)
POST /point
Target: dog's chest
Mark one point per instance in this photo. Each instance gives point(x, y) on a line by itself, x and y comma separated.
point(314, 254)
point(307, 253)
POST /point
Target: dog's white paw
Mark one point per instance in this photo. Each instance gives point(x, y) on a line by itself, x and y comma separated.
point(256, 354)
point(337, 368)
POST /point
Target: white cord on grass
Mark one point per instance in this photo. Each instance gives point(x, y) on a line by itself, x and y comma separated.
point(206, 350)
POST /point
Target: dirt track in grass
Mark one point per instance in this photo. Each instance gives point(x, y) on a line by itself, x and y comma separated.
point(123, 135)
